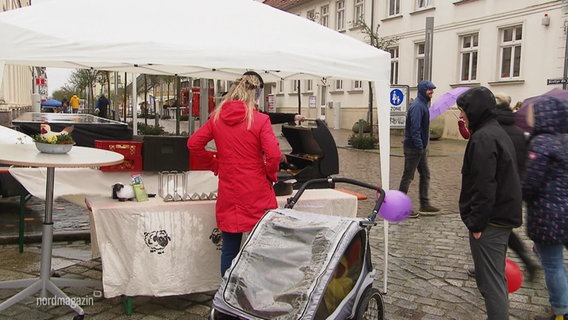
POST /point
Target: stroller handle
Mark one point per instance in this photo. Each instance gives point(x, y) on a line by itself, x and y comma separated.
point(380, 194)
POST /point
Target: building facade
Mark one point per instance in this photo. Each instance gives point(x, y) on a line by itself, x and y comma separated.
point(510, 46)
point(18, 83)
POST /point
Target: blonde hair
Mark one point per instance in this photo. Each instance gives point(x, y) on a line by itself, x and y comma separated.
point(243, 89)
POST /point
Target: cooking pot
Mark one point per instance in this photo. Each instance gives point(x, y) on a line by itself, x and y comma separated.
point(284, 185)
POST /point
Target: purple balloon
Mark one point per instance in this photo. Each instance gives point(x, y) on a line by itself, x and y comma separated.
point(396, 207)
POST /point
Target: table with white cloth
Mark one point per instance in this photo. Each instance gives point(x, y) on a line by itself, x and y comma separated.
point(159, 248)
point(28, 155)
point(75, 184)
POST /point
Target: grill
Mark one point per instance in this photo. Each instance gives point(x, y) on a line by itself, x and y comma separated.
point(314, 152)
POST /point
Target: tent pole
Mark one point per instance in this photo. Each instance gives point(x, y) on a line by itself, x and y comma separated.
point(134, 105)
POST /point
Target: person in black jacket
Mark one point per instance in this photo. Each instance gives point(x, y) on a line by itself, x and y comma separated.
point(102, 106)
point(506, 119)
point(490, 198)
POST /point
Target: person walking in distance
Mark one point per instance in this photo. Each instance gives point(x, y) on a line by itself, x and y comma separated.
point(506, 119)
point(416, 138)
point(490, 197)
point(74, 102)
point(102, 106)
point(545, 191)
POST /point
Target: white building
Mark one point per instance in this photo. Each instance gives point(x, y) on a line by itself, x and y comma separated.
point(19, 81)
point(511, 46)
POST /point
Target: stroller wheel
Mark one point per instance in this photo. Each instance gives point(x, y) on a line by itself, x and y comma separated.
point(371, 305)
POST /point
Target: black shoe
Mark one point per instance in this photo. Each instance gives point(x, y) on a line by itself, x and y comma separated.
point(552, 317)
point(414, 215)
point(428, 210)
point(471, 272)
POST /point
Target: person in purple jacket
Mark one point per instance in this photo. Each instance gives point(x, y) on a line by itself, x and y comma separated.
point(545, 191)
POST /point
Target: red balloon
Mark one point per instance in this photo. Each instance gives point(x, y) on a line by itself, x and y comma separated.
point(514, 276)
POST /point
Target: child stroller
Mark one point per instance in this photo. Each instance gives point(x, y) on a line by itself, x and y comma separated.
point(299, 265)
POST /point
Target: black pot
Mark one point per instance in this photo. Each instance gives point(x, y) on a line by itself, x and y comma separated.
point(284, 186)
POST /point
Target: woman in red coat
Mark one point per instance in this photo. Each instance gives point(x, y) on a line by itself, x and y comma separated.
point(247, 162)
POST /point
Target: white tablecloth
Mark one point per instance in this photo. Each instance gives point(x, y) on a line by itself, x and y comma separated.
point(74, 184)
point(159, 248)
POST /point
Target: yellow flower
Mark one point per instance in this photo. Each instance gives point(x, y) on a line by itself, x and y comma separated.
point(52, 139)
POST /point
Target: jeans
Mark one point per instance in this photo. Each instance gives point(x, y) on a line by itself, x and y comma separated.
point(230, 249)
point(416, 159)
point(552, 259)
point(489, 253)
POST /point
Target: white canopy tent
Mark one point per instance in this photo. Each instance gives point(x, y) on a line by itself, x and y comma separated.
point(215, 39)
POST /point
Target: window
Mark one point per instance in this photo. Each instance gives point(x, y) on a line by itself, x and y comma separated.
point(422, 4)
point(323, 92)
point(309, 85)
point(340, 15)
point(394, 65)
point(394, 7)
point(338, 84)
point(281, 86)
point(358, 12)
point(324, 21)
point(311, 15)
point(468, 53)
point(420, 62)
point(357, 85)
point(294, 85)
point(511, 42)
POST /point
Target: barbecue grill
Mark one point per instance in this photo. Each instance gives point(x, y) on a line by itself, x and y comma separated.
point(314, 152)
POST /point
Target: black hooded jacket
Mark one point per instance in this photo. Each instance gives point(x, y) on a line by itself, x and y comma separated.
point(491, 190)
point(506, 119)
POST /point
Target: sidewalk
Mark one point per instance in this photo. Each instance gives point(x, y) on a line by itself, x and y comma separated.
point(427, 259)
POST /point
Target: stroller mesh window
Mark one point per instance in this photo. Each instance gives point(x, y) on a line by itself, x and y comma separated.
point(282, 262)
point(344, 278)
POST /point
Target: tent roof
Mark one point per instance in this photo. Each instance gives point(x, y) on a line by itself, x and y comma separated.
point(203, 39)
point(216, 39)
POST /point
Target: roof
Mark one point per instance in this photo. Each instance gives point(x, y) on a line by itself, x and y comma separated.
point(284, 4)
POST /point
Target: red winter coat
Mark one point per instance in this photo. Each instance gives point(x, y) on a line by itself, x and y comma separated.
point(246, 163)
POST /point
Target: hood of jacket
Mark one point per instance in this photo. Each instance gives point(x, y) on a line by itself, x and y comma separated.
point(505, 115)
point(550, 116)
point(233, 112)
point(478, 104)
point(424, 86)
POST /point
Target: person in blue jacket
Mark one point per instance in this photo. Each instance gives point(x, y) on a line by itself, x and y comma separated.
point(416, 137)
point(545, 191)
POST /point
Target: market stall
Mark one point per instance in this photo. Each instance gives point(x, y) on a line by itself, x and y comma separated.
point(159, 248)
point(87, 127)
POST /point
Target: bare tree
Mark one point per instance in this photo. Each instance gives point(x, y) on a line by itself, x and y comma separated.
point(83, 81)
point(384, 43)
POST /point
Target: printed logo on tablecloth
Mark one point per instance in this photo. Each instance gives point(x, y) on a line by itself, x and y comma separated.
point(157, 240)
point(216, 238)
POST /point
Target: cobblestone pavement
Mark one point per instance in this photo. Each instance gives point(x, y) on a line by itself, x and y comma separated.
point(427, 258)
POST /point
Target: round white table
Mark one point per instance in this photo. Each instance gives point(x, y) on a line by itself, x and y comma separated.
point(78, 157)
